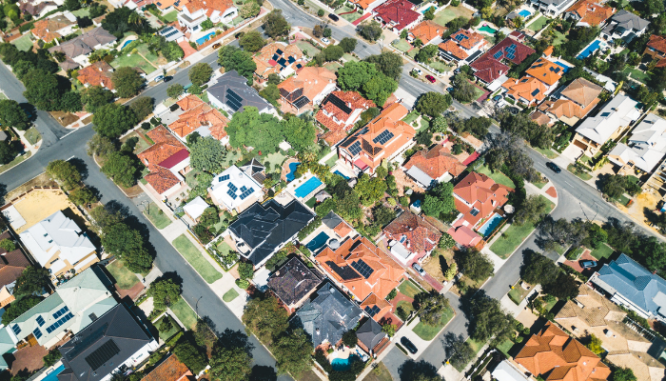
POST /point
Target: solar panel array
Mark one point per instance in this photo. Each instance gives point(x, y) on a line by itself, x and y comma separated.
point(372, 311)
point(102, 354)
point(232, 191)
point(339, 103)
point(37, 333)
point(40, 320)
point(224, 178)
point(234, 100)
point(248, 192)
point(302, 101)
point(511, 52)
point(383, 137)
point(498, 55)
point(16, 329)
point(243, 188)
point(61, 311)
point(461, 37)
point(362, 268)
point(60, 322)
point(355, 148)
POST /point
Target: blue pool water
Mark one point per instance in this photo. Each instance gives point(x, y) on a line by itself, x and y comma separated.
point(53, 376)
point(292, 171)
point(307, 188)
point(343, 364)
point(490, 225)
point(564, 67)
point(340, 174)
point(317, 242)
point(433, 8)
point(589, 50)
point(127, 43)
point(525, 13)
point(205, 38)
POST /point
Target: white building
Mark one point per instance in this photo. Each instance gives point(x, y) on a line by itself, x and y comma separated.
point(624, 25)
point(552, 8)
point(197, 11)
point(235, 190)
point(645, 146)
point(231, 93)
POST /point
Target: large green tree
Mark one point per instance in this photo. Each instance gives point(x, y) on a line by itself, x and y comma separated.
point(95, 97)
point(265, 318)
point(18, 307)
point(490, 321)
point(42, 89)
point(439, 200)
point(200, 73)
point(431, 307)
point(275, 24)
point(142, 107)
point(388, 63)
point(190, 355)
point(476, 265)
point(127, 81)
point(292, 352)
point(12, 115)
point(299, 133)
point(252, 41)
point(124, 242)
point(122, 168)
point(164, 293)
point(252, 129)
point(33, 280)
point(113, 120)
point(65, 172)
point(433, 103)
point(366, 79)
point(232, 58)
point(207, 154)
point(230, 364)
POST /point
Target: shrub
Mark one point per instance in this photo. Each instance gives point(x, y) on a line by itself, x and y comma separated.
point(320, 13)
point(242, 283)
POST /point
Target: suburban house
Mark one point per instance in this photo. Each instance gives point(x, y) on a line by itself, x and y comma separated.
point(77, 49)
point(339, 227)
point(463, 47)
point(433, 166)
point(624, 25)
point(39, 8)
point(644, 148)
point(592, 314)
point(305, 89)
point(631, 285)
point(371, 338)
point(278, 58)
point(589, 13)
point(170, 370)
point(293, 282)
point(397, 15)
point(574, 103)
point(508, 371)
point(113, 341)
point(339, 112)
point(527, 90)
point(97, 74)
point(53, 28)
point(609, 123)
point(327, 316)
point(12, 265)
point(198, 116)
point(540, 118)
point(60, 245)
point(427, 31)
point(492, 66)
point(195, 208)
point(477, 197)
point(411, 238)
point(384, 138)
point(547, 72)
point(231, 93)
point(234, 190)
point(194, 12)
point(167, 160)
point(656, 48)
point(552, 8)
point(263, 229)
point(71, 308)
point(366, 5)
point(552, 354)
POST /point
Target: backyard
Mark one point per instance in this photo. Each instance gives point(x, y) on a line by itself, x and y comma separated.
point(133, 60)
point(509, 241)
point(408, 288)
point(157, 216)
point(125, 279)
point(636, 74)
point(429, 332)
point(449, 13)
point(559, 39)
point(196, 259)
point(538, 24)
point(184, 313)
point(497, 176)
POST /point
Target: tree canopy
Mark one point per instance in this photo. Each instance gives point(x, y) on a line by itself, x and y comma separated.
point(232, 58)
point(433, 103)
point(490, 321)
point(266, 319)
point(431, 307)
point(388, 63)
point(250, 128)
point(164, 293)
point(113, 120)
point(42, 89)
point(476, 265)
point(365, 78)
point(298, 132)
point(190, 355)
point(94, 97)
point(65, 172)
point(292, 352)
point(439, 200)
point(207, 154)
point(275, 24)
point(18, 307)
point(12, 115)
point(33, 280)
point(127, 81)
point(200, 73)
point(230, 364)
point(252, 41)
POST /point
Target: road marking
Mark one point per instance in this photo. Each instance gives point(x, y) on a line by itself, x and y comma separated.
point(69, 133)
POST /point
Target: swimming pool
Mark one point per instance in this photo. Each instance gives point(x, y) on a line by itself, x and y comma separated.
point(307, 188)
point(490, 225)
point(564, 67)
point(292, 171)
point(343, 364)
point(487, 29)
point(317, 242)
point(53, 376)
point(340, 174)
point(593, 47)
point(127, 42)
point(433, 8)
point(201, 40)
point(525, 13)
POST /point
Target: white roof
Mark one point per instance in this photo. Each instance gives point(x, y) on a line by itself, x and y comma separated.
point(496, 84)
point(196, 207)
point(619, 112)
point(420, 176)
point(506, 372)
point(646, 145)
point(14, 217)
point(285, 146)
point(234, 182)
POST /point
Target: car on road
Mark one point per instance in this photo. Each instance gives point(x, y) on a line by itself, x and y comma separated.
point(159, 78)
point(325, 40)
point(449, 90)
point(430, 78)
point(215, 46)
point(588, 264)
point(553, 167)
point(333, 17)
point(409, 345)
point(419, 269)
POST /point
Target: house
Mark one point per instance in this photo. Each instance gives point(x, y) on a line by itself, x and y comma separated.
point(340, 227)
point(553, 355)
point(547, 72)
point(12, 265)
point(278, 58)
point(167, 160)
point(60, 245)
point(397, 15)
point(427, 31)
point(77, 49)
point(263, 229)
point(306, 89)
point(200, 117)
point(97, 74)
point(433, 166)
point(255, 170)
point(463, 47)
point(527, 90)
point(71, 308)
point(552, 8)
point(361, 268)
point(540, 118)
point(195, 208)
point(194, 12)
point(624, 25)
point(38, 8)
point(411, 238)
point(293, 282)
point(631, 285)
point(493, 65)
point(644, 148)
point(231, 93)
point(609, 123)
point(234, 190)
point(328, 316)
point(507, 371)
point(170, 370)
point(53, 28)
point(113, 341)
point(366, 5)
point(656, 48)
point(170, 33)
point(371, 337)
point(339, 112)
point(384, 138)
point(589, 13)
point(574, 103)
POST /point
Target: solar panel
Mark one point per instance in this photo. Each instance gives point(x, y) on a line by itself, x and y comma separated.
point(298, 66)
point(233, 104)
point(372, 311)
point(291, 59)
point(102, 354)
point(16, 329)
point(224, 178)
point(511, 56)
point(231, 194)
point(302, 101)
point(60, 322)
point(37, 333)
point(355, 148)
point(275, 57)
point(497, 55)
point(246, 193)
point(282, 62)
point(233, 187)
point(279, 52)
point(243, 188)
point(362, 268)
point(383, 137)
point(339, 103)
point(40, 320)
point(535, 92)
point(231, 94)
point(60, 312)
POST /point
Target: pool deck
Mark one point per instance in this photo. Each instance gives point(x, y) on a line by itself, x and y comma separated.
point(291, 188)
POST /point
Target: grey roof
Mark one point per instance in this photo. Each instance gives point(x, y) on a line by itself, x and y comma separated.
point(265, 227)
point(84, 43)
point(370, 333)
point(328, 316)
point(105, 344)
point(636, 284)
point(256, 170)
point(556, 3)
point(628, 21)
point(238, 84)
point(293, 281)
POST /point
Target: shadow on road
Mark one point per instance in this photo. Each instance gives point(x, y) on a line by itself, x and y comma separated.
point(411, 370)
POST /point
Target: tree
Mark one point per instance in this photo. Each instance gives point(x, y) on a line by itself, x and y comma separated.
point(388, 63)
point(142, 107)
point(350, 339)
point(595, 345)
point(121, 168)
point(7, 152)
point(127, 81)
point(95, 97)
point(431, 307)
point(424, 137)
point(7, 245)
point(33, 280)
point(175, 90)
point(164, 293)
point(82, 196)
point(18, 307)
point(538, 269)
point(65, 172)
point(232, 58)
point(42, 89)
point(252, 41)
point(461, 352)
point(490, 321)
point(271, 93)
point(245, 270)
point(370, 31)
point(463, 90)
point(439, 124)
point(521, 125)
point(426, 53)
point(249, 128)
point(52, 357)
point(596, 235)
point(476, 265)
point(230, 364)
point(653, 7)
point(200, 73)
point(613, 185)
point(563, 287)
point(113, 120)
point(389, 329)
point(433, 103)
point(250, 9)
point(532, 210)
point(275, 25)
point(72, 5)
point(265, 318)
point(623, 374)
point(292, 352)
point(70, 102)
point(122, 20)
point(12, 115)
point(348, 44)
point(299, 133)
point(451, 271)
point(191, 356)
point(207, 154)
point(446, 241)
point(562, 232)
point(274, 79)
point(429, 14)
point(439, 200)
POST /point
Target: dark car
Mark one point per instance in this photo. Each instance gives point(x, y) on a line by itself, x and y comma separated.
point(553, 167)
point(333, 17)
point(215, 46)
point(409, 345)
point(431, 78)
point(588, 264)
point(239, 35)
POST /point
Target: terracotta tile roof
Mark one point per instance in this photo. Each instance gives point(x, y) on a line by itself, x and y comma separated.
point(380, 273)
point(161, 179)
point(459, 48)
point(169, 370)
point(338, 130)
point(489, 69)
point(657, 43)
point(452, 47)
point(308, 81)
point(427, 30)
point(482, 193)
point(266, 64)
point(46, 29)
point(540, 118)
point(545, 71)
point(436, 162)
point(549, 51)
point(210, 6)
point(591, 12)
point(582, 92)
point(421, 237)
point(374, 301)
point(511, 50)
point(464, 236)
point(363, 3)
point(165, 146)
point(97, 74)
point(399, 12)
point(198, 114)
point(529, 88)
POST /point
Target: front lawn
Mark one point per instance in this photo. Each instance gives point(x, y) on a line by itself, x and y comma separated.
point(604, 251)
point(505, 347)
point(157, 216)
point(405, 306)
point(165, 335)
point(429, 332)
point(230, 295)
point(33, 136)
point(379, 373)
point(348, 57)
point(411, 117)
point(497, 176)
point(184, 313)
point(538, 24)
point(333, 66)
point(409, 289)
point(196, 259)
point(517, 294)
point(125, 279)
point(402, 45)
point(583, 175)
point(509, 241)
point(439, 66)
point(547, 152)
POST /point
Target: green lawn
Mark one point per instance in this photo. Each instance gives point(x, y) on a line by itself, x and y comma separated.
point(574, 254)
point(583, 175)
point(517, 294)
point(17, 160)
point(157, 216)
point(223, 248)
point(311, 202)
point(379, 373)
point(184, 313)
point(559, 38)
point(538, 24)
point(402, 45)
point(333, 66)
point(196, 259)
point(307, 47)
point(622, 200)
point(83, 12)
point(23, 43)
point(505, 347)
point(348, 57)
point(409, 289)
point(405, 306)
point(274, 160)
point(32, 135)
point(549, 153)
point(439, 66)
point(412, 53)
point(411, 117)
point(132, 60)
point(604, 251)
point(171, 16)
point(331, 162)
point(165, 335)
point(351, 17)
point(511, 239)
point(230, 295)
point(637, 74)
point(449, 13)
point(498, 176)
point(123, 276)
point(428, 332)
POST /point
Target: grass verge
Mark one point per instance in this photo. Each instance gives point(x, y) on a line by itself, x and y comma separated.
point(184, 313)
point(157, 216)
point(196, 259)
point(429, 332)
point(230, 295)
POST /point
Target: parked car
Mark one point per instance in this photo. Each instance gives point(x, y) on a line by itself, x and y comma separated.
point(553, 167)
point(588, 264)
point(239, 35)
point(417, 71)
point(419, 269)
point(325, 40)
point(159, 78)
point(333, 17)
point(449, 90)
point(409, 345)
point(215, 46)
point(430, 78)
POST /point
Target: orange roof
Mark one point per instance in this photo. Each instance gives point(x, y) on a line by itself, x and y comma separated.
point(161, 179)
point(540, 118)
point(566, 108)
point(427, 30)
point(46, 29)
point(527, 88)
point(371, 301)
point(482, 193)
point(210, 5)
point(267, 65)
point(378, 276)
point(198, 114)
point(421, 236)
point(164, 4)
point(549, 51)
point(553, 352)
point(545, 71)
point(591, 12)
point(657, 43)
point(436, 162)
point(472, 39)
point(169, 370)
point(97, 74)
point(165, 146)
point(363, 3)
point(329, 111)
point(308, 81)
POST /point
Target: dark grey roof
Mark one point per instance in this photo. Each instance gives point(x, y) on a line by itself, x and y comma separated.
point(332, 220)
point(629, 21)
point(84, 43)
point(293, 281)
point(238, 84)
point(370, 333)
point(100, 348)
point(328, 316)
point(255, 169)
point(265, 227)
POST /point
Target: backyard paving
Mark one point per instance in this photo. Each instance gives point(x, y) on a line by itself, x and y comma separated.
point(28, 359)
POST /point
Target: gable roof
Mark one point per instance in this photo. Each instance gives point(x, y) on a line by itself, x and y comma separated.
point(511, 50)
point(619, 112)
point(293, 281)
point(399, 12)
point(84, 43)
point(162, 179)
point(427, 31)
point(657, 43)
point(199, 116)
point(97, 74)
point(12, 263)
point(482, 193)
point(436, 162)
point(420, 235)
point(233, 81)
point(370, 334)
point(627, 21)
point(47, 29)
point(540, 118)
point(169, 370)
point(488, 69)
point(545, 71)
point(591, 12)
point(528, 88)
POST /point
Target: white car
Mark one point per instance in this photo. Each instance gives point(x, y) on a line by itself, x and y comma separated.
point(417, 71)
point(419, 269)
point(325, 40)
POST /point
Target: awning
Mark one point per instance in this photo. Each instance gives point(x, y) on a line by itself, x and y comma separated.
point(361, 164)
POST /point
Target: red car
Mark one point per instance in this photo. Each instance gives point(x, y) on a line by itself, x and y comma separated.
point(431, 78)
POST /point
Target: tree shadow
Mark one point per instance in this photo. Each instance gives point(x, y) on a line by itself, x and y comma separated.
point(650, 215)
point(263, 373)
point(3, 193)
point(173, 276)
point(230, 339)
point(449, 340)
point(114, 207)
point(30, 111)
point(411, 370)
point(80, 166)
